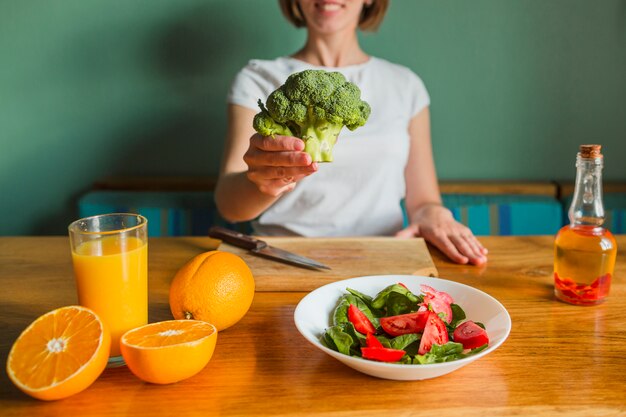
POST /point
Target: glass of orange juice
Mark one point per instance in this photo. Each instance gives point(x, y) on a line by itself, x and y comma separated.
point(110, 257)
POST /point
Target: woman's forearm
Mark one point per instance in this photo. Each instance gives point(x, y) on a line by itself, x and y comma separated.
point(238, 199)
point(256, 170)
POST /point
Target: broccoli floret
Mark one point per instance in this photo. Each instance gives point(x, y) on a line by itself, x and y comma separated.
point(313, 105)
point(266, 126)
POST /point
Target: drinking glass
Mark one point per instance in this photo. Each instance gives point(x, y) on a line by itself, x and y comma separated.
point(110, 258)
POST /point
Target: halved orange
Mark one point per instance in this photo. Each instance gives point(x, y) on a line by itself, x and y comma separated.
point(168, 351)
point(59, 354)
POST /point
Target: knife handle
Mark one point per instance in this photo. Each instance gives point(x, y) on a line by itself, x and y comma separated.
point(236, 238)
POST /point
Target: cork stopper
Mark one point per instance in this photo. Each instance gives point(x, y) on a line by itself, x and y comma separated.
point(590, 151)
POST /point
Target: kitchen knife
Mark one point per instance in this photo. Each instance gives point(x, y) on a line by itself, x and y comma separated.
point(262, 248)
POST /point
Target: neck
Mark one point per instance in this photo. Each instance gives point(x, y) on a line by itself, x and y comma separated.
point(332, 51)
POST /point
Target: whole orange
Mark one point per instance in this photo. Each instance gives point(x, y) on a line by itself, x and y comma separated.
point(216, 287)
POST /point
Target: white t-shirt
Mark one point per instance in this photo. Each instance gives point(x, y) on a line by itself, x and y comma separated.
point(359, 193)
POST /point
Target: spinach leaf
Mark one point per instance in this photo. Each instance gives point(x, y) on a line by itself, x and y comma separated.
point(475, 350)
point(335, 338)
point(406, 360)
point(367, 300)
point(401, 342)
point(399, 304)
point(458, 315)
point(445, 353)
point(356, 336)
point(450, 348)
point(341, 311)
point(441, 353)
point(414, 347)
point(381, 298)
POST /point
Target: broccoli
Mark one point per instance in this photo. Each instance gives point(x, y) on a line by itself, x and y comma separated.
point(313, 105)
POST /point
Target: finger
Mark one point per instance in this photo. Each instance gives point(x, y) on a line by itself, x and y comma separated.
point(277, 143)
point(466, 248)
point(276, 158)
point(483, 249)
point(477, 257)
point(408, 232)
point(472, 248)
point(444, 244)
point(297, 178)
point(279, 173)
point(293, 179)
point(478, 247)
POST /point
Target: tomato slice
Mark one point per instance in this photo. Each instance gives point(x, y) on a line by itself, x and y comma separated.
point(382, 354)
point(470, 335)
point(438, 301)
point(372, 341)
point(434, 332)
point(404, 323)
point(360, 321)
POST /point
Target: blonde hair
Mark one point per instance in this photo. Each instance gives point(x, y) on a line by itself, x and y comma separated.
point(371, 16)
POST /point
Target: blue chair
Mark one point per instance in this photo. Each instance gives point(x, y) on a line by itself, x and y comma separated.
point(191, 213)
point(505, 215)
point(169, 213)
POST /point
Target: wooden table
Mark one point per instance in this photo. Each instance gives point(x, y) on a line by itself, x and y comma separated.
point(558, 360)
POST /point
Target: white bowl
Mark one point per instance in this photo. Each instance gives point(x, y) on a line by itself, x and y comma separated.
point(313, 316)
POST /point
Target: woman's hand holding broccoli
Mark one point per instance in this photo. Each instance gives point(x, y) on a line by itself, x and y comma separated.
point(313, 105)
point(276, 164)
point(299, 128)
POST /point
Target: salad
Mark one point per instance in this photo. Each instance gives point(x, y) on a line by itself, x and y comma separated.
point(399, 326)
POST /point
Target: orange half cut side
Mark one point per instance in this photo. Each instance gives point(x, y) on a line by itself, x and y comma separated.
point(168, 351)
point(60, 354)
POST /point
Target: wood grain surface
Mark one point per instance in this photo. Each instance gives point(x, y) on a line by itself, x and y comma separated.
point(347, 258)
point(558, 360)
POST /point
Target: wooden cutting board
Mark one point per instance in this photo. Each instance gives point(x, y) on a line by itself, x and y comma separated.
point(347, 258)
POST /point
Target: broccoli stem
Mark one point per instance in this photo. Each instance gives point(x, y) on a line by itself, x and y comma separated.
point(319, 140)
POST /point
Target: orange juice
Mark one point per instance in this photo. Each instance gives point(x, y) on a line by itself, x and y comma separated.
point(111, 278)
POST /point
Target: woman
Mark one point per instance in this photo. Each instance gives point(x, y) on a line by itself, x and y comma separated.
point(359, 193)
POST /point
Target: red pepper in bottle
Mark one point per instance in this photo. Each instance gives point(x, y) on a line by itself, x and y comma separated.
point(584, 251)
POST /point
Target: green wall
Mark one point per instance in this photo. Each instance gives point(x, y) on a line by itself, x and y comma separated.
point(92, 88)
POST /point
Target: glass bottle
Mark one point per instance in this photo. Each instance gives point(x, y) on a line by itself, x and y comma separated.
point(584, 251)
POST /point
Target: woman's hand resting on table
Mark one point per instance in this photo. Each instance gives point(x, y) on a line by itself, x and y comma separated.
point(436, 225)
point(276, 164)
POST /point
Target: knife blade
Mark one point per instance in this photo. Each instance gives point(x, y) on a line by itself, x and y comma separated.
point(261, 247)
